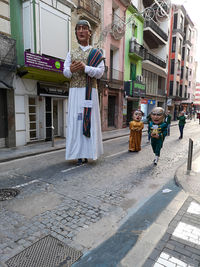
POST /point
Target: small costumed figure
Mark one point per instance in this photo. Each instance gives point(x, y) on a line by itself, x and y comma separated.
point(158, 130)
point(136, 127)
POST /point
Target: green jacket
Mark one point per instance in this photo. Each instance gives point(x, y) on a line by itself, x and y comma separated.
point(181, 120)
point(168, 119)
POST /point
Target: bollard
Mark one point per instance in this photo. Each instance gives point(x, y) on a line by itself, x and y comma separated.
point(190, 150)
point(52, 136)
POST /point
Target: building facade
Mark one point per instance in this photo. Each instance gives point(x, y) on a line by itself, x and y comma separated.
point(134, 55)
point(8, 66)
point(44, 34)
point(154, 67)
point(182, 66)
point(197, 97)
point(114, 15)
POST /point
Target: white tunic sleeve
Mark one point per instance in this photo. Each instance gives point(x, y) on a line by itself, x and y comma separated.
point(95, 72)
point(67, 73)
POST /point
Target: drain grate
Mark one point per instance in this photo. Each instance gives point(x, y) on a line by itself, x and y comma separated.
point(8, 193)
point(47, 252)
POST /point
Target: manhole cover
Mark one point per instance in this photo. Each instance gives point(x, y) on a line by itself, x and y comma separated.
point(47, 252)
point(8, 193)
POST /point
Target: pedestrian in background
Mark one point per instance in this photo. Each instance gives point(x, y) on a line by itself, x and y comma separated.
point(158, 130)
point(136, 126)
point(198, 116)
point(168, 122)
point(181, 124)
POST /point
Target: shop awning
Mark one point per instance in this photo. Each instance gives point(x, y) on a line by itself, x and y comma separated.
point(41, 75)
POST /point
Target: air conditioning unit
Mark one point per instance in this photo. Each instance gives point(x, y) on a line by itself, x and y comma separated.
point(139, 78)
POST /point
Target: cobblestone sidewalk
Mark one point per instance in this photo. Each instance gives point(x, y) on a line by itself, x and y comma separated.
point(180, 245)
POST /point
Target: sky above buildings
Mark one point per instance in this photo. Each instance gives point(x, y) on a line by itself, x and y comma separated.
point(192, 7)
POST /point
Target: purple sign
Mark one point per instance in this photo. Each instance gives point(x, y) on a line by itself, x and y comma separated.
point(43, 62)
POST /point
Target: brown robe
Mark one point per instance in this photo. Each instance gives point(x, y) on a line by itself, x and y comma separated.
point(135, 135)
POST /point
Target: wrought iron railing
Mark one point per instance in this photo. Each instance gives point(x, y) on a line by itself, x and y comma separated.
point(155, 59)
point(8, 58)
point(161, 92)
point(91, 6)
point(136, 48)
point(156, 28)
point(105, 74)
point(117, 26)
point(116, 75)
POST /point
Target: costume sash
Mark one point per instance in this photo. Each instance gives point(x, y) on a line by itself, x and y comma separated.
point(94, 58)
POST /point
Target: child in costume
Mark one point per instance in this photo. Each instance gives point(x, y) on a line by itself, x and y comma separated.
point(136, 127)
point(158, 130)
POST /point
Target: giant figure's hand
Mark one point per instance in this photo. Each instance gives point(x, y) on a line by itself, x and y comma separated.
point(77, 66)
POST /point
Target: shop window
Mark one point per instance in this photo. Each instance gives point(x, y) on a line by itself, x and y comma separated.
point(32, 107)
point(171, 88)
point(173, 44)
point(172, 66)
point(175, 21)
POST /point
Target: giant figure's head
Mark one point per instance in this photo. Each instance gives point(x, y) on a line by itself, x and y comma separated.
point(157, 115)
point(83, 32)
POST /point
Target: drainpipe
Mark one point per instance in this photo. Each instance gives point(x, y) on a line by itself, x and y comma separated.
point(34, 26)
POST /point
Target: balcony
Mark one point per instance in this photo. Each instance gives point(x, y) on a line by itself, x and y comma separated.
point(154, 36)
point(136, 51)
point(161, 92)
point(116, 75)
point(155, 59)
point(188, 42)
point(8, 58)
point(91, 7)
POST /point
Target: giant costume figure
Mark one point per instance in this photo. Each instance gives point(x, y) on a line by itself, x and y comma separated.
point(84, 66)
point(158, 130)
point(136, 126)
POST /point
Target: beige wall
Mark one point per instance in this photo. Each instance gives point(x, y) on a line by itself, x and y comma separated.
point(5, 17)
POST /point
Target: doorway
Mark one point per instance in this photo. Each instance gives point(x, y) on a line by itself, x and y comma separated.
point(55, 116)
point(3, 118)
point(111, 110)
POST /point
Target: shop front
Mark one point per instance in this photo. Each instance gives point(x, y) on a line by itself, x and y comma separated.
point(41, 93)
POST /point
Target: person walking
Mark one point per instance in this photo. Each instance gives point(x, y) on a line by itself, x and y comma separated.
point(168, 122)
point(158, 130)
point(84, 66)
point(198, 116)
point(136, 126)
point(181, 124)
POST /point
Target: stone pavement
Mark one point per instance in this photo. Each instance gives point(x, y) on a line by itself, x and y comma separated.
point(174, 238)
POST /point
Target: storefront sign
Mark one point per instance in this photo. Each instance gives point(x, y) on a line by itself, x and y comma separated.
point(133, 88)
point(43, 62)
point(139, 89)
point(144, 101)
point(151, 102)
point(169, 102)
point(43, 90)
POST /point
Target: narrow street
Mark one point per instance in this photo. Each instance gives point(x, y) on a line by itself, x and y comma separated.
point(84, 206)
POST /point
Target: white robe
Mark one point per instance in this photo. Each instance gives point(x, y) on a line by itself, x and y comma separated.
point(77, 144)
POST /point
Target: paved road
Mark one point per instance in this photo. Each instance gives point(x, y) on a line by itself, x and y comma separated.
point(89, 205)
